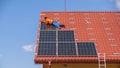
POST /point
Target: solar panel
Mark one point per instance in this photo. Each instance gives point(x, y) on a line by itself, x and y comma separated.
point(47, 36)
point(47, 49)
point(66, 36)
point(66, 49)
point(86, 49)
point(53, 27)
point(44, 26)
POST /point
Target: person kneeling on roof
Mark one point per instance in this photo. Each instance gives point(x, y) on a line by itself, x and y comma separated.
point(49, 21)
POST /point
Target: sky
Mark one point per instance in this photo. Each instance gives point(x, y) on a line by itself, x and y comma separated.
point(19, 24)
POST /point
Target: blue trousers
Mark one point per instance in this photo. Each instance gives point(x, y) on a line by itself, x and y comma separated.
point(56, 24)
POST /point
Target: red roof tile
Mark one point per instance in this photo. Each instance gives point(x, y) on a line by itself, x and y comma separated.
point(99, 27)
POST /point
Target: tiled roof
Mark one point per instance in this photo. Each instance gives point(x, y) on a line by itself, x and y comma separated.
point(103, 28)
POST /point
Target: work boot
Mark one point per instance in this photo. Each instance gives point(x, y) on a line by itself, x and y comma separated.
point(62, 26)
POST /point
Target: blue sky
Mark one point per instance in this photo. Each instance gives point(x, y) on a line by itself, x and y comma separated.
point(19, 24)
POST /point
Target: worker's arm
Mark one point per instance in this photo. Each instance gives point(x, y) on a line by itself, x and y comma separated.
point(42, 21)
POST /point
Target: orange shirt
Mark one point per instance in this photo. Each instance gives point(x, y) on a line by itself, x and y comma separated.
point(48, 21)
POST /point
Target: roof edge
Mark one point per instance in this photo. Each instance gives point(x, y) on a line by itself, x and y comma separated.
point(79, 11)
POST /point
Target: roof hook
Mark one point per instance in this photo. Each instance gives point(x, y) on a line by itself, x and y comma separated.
point(49, 64)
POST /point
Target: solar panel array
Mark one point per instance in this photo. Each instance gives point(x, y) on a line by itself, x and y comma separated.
point(47, 43)
point(62, 43)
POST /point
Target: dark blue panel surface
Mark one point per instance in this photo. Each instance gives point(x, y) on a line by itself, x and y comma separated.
point(66, 36)
point(66, 49)
point(47, 36)
point(45, 27)
point(47, 49)
point(86, 49)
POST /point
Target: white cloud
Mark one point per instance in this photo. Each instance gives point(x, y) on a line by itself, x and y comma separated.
point(118, 4)
point(28, 48)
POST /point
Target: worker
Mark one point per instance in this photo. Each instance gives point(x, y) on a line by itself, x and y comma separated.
point(49, 21)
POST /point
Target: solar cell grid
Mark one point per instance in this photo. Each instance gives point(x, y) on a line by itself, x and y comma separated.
point(87, 45)
point(47, 36)
point(66, 49)
point(86, 49)
point(47, 49)
point(66, 36)
point(44, 26)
